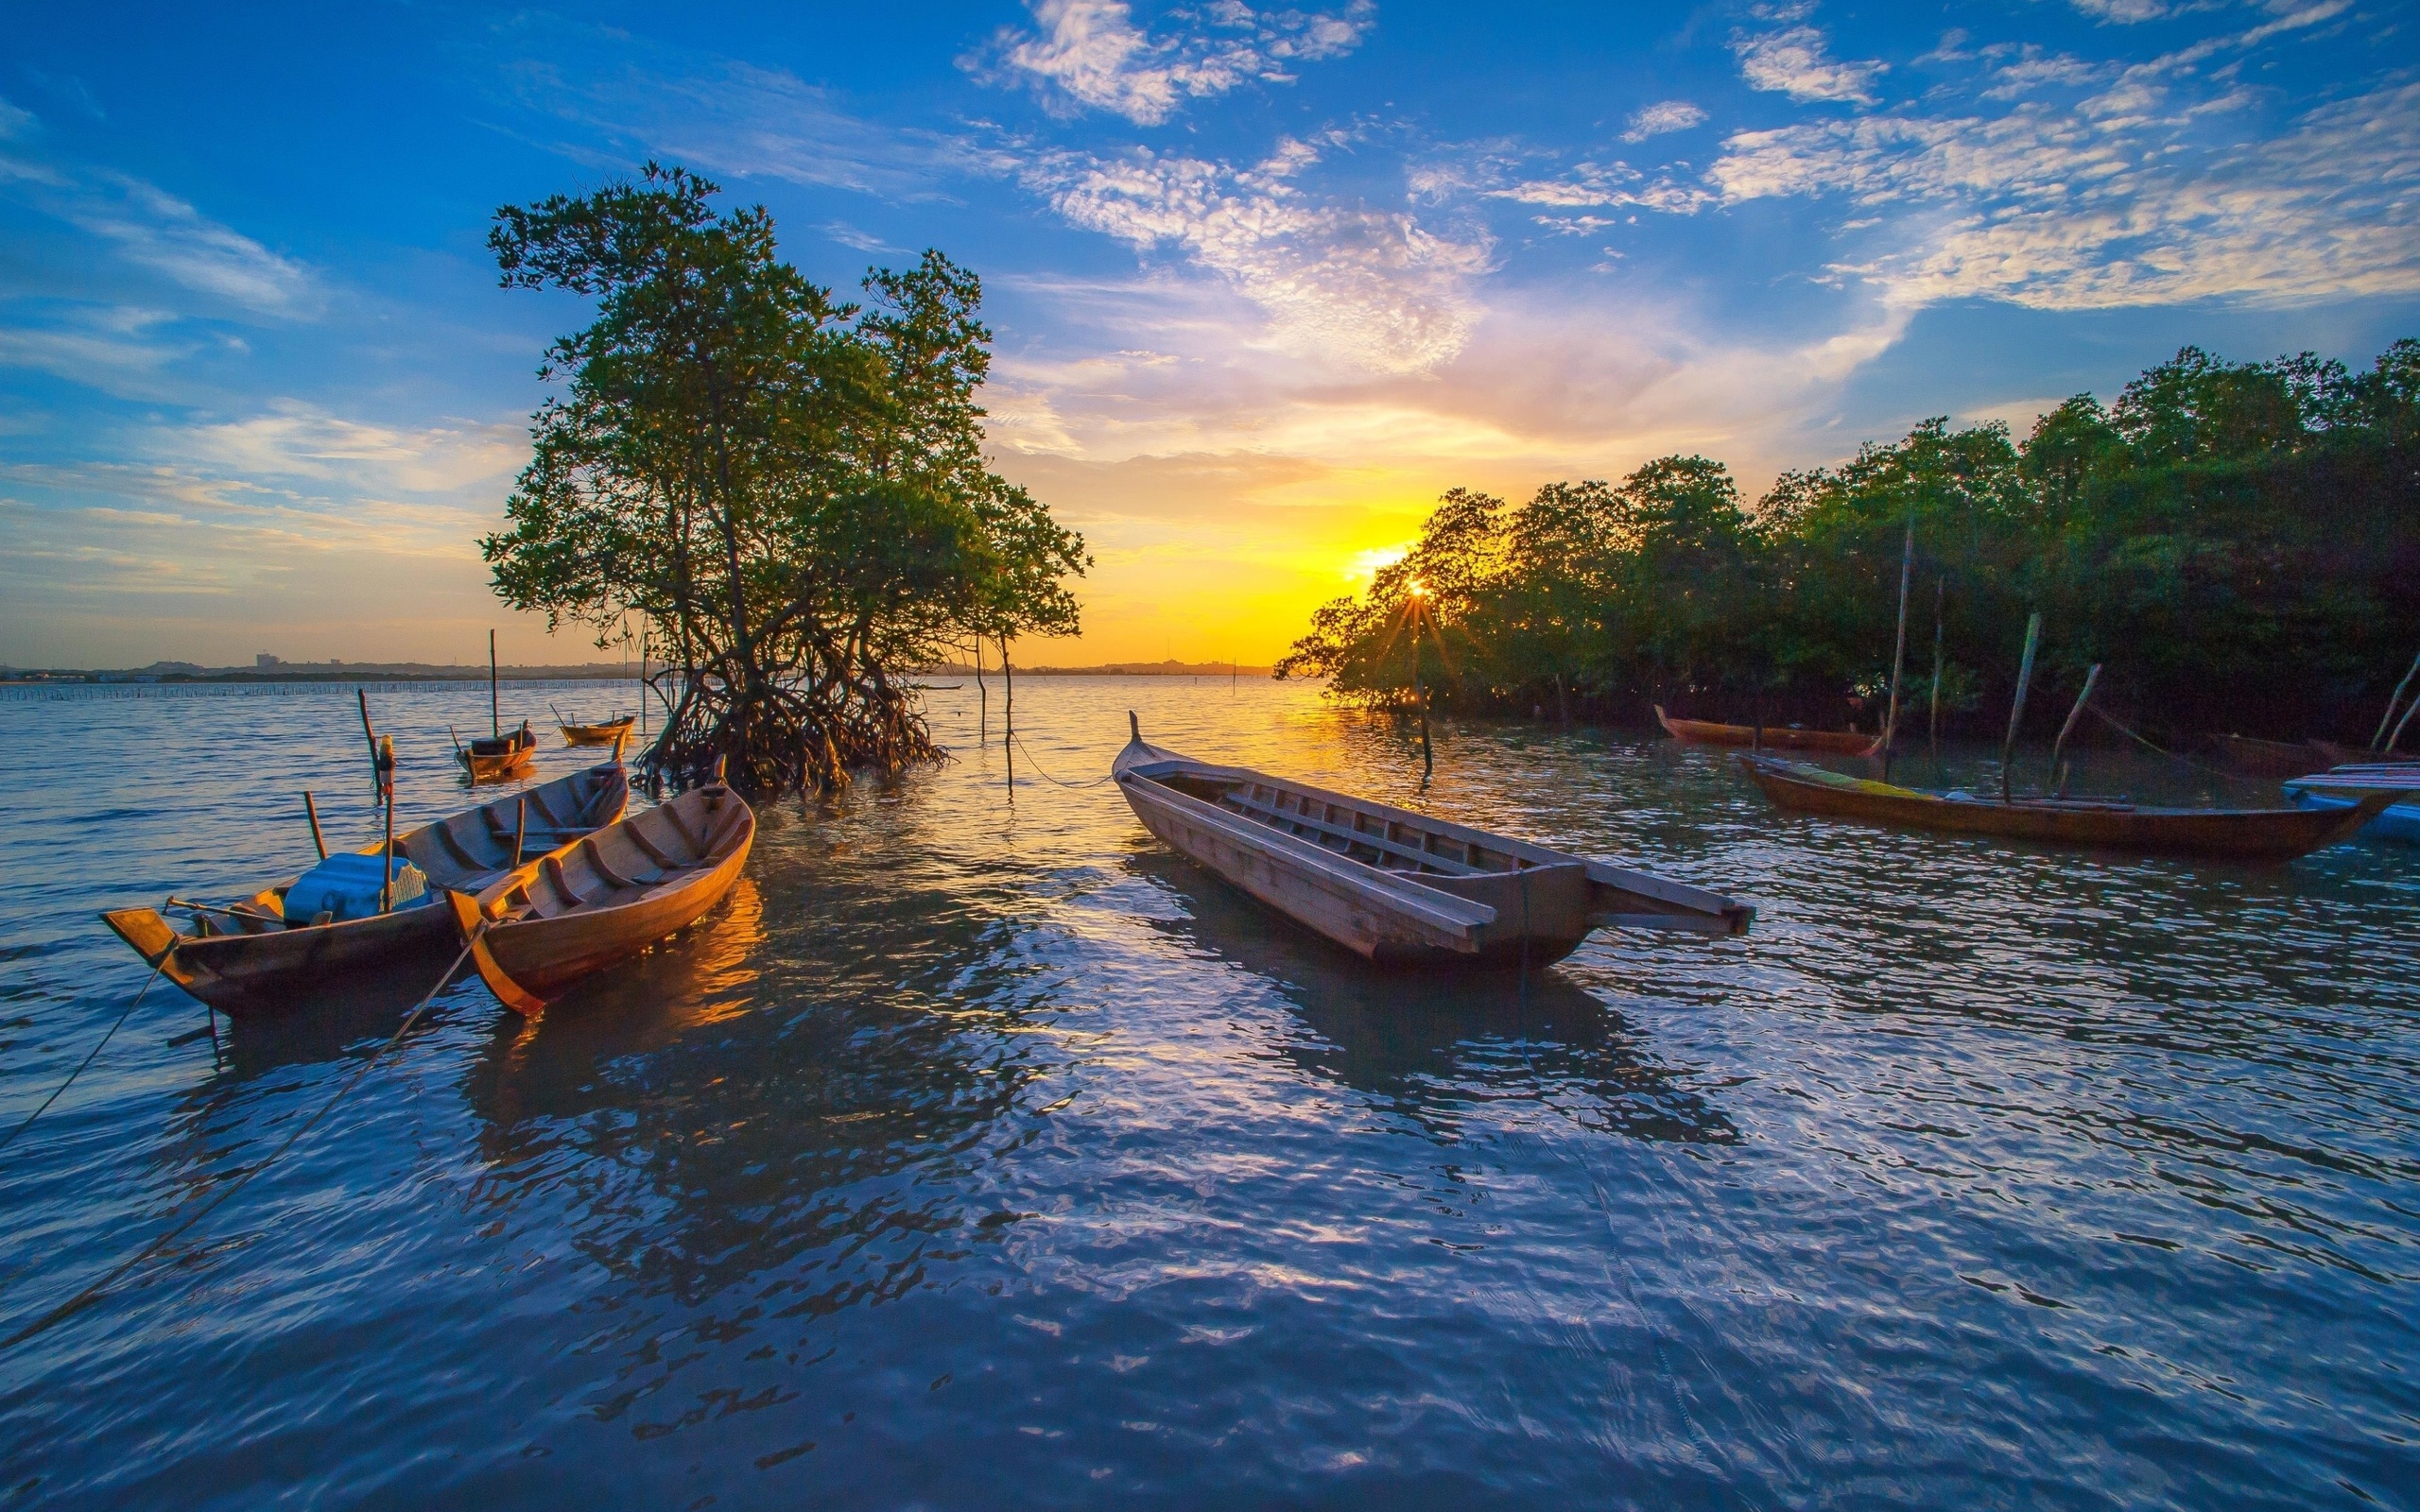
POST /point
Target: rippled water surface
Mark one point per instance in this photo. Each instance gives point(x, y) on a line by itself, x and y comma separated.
point(979, 1153)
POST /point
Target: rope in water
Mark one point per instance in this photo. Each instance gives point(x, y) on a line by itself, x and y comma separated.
point(1047, 777)
point(199, 1211)
point(88, 1060)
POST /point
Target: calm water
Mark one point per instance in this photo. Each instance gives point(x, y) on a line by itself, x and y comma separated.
point(979, 1153)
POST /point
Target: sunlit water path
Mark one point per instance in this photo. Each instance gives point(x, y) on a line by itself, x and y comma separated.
point(979, 1153)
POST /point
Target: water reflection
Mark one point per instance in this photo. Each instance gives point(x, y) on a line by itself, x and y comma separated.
point(1432, 1047)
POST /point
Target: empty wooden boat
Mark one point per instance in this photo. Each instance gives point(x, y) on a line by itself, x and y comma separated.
point(604, 733)
point(2243, 835)
point(493, 759)
point(1394, 886)
point(245, 959)
point(544, 925)
point(1780, 737)
point(2255, 757)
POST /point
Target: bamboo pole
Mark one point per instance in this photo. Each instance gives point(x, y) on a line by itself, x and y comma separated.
point(2016, 714)
point(520, 827)
point(495, 718)
point(2392, 702)
point(311, 812)
point(1900, 649)
point(1940, 587)
point(2058, 776)
point(1008, 714)
point(2391, 740)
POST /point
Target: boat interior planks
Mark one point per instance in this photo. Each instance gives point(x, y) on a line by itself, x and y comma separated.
point(1394, 886)
point(244, 959)
point(2241, 834)
point(538, 929)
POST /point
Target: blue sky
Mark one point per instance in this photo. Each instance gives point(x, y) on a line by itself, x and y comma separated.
point(1265, 281)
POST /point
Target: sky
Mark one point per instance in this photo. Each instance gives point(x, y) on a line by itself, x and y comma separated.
point(1264, 281)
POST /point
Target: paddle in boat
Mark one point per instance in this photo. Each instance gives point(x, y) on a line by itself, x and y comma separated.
point(1396, 888)
point(538, 929)
point(1781, 737)
point(321, 933)
point(2243, 835)
point(2341, 788)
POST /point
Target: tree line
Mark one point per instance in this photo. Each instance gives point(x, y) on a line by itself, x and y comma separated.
point(2236, 543)
point(789, 488)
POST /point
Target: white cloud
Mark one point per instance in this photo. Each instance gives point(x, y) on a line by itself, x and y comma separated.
point(1089, 54)
point(2068, 210)
point(2123, 11)
point(1667, 115)
point(120, 350)
point(1607, 186)
point(296, 440)
point(1796, 62)
point(1371, 288)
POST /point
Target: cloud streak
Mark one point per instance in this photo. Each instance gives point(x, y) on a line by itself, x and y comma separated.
point(1089, 54)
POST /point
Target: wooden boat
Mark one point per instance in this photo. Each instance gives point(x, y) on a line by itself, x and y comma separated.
point(2342, 755)
point(2270, 758)
point(1781, 737)
point(494, 759)
point(2341, 788)
point(245, 959)
point(1393, 887)
point(542, 926)
point(2247, 834)
point(606, 732)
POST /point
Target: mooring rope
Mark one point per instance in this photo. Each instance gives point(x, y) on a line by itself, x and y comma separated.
point(156, 970)
point(90, 1293)
point(2148, 744)
point(1047, 777)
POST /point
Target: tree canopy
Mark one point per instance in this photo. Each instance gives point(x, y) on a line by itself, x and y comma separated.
point(2237, 542)
point(792, 488)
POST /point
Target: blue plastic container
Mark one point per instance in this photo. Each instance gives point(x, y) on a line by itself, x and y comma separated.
point(346, 887)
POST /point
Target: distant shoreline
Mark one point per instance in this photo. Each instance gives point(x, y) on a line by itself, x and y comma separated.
point(607, 672)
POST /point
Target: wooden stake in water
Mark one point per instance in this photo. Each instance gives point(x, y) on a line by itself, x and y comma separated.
point(2392, 702)
point(982, 697)
point(2058, 775)
point(2016, 714)
point(311, 812)
point(1008, 714)
point(1420, 687)
point(495, 719)
point(1900, 649)
point(1940, 587)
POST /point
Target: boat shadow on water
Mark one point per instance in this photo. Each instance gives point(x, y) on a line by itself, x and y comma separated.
point(1433, 1045)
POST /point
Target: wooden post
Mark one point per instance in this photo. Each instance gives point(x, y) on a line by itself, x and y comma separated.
point(2016, 714)
point(2058, 778)
point(2392, 739)
point(641, 680)
point(2392, 702)
point(982, 695)
point(495, 719)
point(387, 785)
point(1940, 587)
point(520, 827)
point(1009, 714)
point(311, 812)
point(369, 734)
point(1419, 696)
point(1900, 649)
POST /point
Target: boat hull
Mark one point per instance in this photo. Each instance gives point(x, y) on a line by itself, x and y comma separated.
point(536, 932)
point(1706, 733)
point(257, 967)
point(1448, 895)
point(604, 734)
point(2399, 822)
point(2241, 834)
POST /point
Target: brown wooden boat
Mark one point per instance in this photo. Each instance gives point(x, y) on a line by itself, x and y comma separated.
point(1780, 737)
point(245, 959)
point(494, 759)
point(2255, 757)
point(604, 733)
point(1394, 886)
point(542, 926)
point(2246, 834)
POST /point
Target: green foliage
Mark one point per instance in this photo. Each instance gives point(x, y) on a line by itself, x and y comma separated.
point(2238, 543)
point(793, 489)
